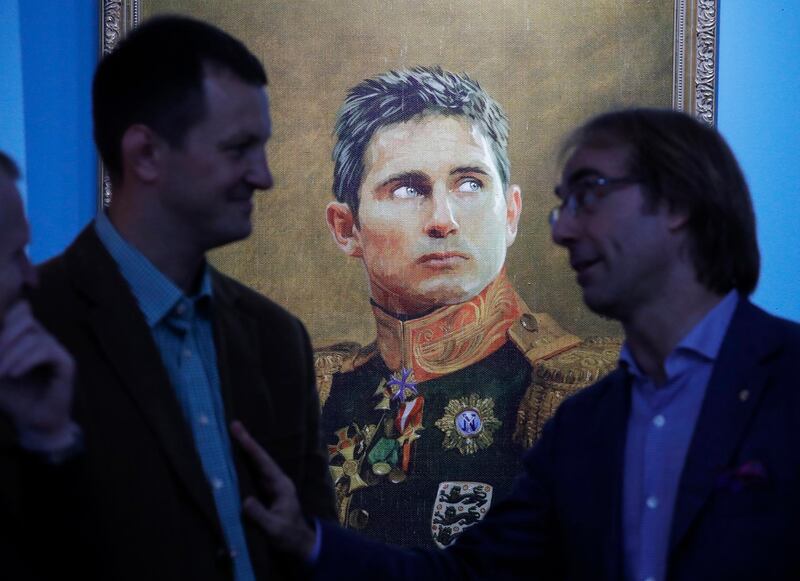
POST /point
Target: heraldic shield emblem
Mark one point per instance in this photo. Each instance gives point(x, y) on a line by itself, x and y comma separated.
point(458, 506)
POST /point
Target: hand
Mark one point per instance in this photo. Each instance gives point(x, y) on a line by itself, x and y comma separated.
point(36, 381)
point(283, 521)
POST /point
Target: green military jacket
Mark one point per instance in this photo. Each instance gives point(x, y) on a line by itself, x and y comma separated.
point(427, 425)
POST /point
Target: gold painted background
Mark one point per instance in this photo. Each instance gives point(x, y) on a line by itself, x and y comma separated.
point(550, 64)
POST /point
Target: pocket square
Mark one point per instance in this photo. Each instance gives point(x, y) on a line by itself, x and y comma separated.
point(747, 475)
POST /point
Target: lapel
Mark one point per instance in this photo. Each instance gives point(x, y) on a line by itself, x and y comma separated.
point(724, 416)
point(127, 344)
point(240, 354)
point(606, 462)
point(611, 418)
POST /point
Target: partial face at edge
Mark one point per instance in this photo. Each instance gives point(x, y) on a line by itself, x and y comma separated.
point(16, 271)
point(434, 221)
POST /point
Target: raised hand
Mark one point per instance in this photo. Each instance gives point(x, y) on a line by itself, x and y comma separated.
point(283, 519)
point(36, 382)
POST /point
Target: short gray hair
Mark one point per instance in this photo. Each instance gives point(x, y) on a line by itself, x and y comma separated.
point(398, 96)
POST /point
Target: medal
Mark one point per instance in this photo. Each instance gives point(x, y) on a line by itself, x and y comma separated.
point(402, 385)
point(468, 424)
point(346, 447)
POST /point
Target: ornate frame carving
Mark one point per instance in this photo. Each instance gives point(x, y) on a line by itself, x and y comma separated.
point(117, 17)
point(695, 68)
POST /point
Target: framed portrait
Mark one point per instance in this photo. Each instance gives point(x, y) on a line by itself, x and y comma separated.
point(549, 63)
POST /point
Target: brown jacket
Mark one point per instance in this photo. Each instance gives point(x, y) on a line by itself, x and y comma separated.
point(149, 511)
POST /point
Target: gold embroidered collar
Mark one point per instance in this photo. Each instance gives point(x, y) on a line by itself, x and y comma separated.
point(452, 337)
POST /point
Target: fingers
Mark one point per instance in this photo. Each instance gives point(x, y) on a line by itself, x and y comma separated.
point(271, 473)
point(283, 520)
point(17, 322)
point(289, 532)
point(26, 354)
point(36, 375)
point(26, 345)
point(256, 511)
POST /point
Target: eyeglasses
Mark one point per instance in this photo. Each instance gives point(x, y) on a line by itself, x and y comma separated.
point(583, 195)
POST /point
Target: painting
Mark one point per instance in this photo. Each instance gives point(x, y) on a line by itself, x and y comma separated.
point(434, 377)
point(549, 63)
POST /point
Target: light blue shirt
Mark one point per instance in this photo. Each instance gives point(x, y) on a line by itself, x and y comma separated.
point(182, 329)
point(660, 428)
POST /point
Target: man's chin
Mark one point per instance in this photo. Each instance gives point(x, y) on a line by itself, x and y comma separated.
point(232, 235)
point(599, 303)
point(446, 293)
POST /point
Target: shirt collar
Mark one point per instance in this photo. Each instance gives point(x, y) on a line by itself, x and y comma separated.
point(156, 294)
point(704, 339)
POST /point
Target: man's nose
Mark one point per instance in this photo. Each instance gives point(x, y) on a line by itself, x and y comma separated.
point(564, 228)
point(260, 175)
point(442, 222)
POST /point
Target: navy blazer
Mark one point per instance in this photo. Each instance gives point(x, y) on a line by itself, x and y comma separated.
point(737, 513)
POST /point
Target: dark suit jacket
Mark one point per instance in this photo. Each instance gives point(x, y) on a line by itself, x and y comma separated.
point(564, 519)
point(149, 511)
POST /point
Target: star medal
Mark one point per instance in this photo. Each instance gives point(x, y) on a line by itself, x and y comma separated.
point(408, 419)
point(468, 424)
point(348, 448)
point(402, 385)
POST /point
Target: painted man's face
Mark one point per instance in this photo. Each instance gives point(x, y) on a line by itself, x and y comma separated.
point(434, 221)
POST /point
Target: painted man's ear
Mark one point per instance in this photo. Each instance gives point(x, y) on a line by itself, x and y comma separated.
point(342, 226)
point(513, 212)
point(141, 153)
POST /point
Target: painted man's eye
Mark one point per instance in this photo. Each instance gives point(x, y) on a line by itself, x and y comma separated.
point(470, 186)
point(406, 192)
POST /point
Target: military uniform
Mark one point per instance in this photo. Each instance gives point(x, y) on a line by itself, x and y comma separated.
point(426, 426)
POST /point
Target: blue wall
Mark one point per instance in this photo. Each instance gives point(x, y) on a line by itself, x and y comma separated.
point(12, 110)
point(759, 99)
point(759, 114)
point(59, 49)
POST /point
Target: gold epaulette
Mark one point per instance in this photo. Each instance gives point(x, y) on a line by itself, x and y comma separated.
point(539, 337)
point(558, 377)
point(338, 358)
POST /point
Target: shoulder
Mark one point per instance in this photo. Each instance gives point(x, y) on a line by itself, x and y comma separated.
point(785, 329)
point(84, 252)
point(339, 358)
point(581, 365)
point(563, 365)
point(231, 293)
point(586, 400)
point(754, 332)
point(71, 282)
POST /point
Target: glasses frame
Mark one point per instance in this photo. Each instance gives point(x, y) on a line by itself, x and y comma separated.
point(574, 198)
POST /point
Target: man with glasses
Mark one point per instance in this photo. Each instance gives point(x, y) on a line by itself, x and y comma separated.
point(681, 464)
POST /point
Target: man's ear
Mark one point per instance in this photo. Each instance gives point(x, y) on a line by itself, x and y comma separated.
point(341, 223)
point(677, 219)
point(513, 212)
point(141, 152)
